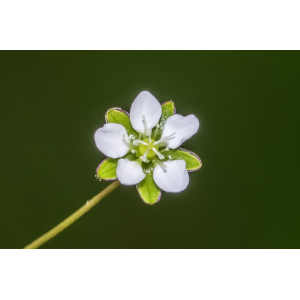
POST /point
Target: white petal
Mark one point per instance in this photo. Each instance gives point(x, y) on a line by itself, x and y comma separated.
point(129, 172)
point(184, 128)
point(110, 140)
point(145, 104)
point(174, 178)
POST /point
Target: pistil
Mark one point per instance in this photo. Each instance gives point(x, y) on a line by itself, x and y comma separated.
point(147, 148)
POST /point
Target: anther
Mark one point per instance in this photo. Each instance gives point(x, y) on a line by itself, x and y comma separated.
point(144, 159)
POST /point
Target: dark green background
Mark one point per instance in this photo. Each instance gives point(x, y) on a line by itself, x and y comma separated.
point(245, 196)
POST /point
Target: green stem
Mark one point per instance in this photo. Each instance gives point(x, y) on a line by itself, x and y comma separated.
point(76, 215)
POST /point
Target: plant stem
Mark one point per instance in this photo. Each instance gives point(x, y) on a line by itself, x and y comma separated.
point(71, 219)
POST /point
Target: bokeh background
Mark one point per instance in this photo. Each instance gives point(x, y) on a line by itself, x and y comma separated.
point(245, 196)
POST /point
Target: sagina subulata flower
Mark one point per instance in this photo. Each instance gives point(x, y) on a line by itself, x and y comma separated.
point(142, 147)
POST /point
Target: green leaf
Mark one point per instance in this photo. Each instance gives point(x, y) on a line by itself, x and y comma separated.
point(120, 116)
point(168, 110)
point(148, 190)
point(193, 161)
point(107, 169)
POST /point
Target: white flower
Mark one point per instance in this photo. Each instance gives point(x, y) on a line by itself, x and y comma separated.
point(148, 144)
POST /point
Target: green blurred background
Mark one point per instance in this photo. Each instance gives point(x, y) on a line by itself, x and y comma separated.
point(245, 196)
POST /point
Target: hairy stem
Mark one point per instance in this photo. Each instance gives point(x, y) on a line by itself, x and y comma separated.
point(71, 219)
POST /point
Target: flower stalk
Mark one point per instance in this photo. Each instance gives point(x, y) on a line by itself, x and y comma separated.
point(75, 216)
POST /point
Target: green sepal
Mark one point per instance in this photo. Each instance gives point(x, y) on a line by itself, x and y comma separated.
point(168, 110)
point(130, 156)
point(147, 189)
point(193, 161)
point(120, 116)
point(107, 169)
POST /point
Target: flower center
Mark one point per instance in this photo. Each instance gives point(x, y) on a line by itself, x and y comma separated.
point(146, 148)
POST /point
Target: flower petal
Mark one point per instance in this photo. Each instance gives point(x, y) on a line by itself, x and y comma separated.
point(110, 140)
point(145, 104)
point(129, 172)
point(174, 178)
point(183, 127)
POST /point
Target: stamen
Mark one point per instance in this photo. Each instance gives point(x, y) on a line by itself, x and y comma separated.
point(149, 134)
point(136, 142)
point(145, 154)
point(161, 144)
point(158, 162)
point(133, 151)
point(166, 149)
point(140, 134)
point(164, 141)
point(171, 136)
point(144, 157)
point(160, 156)
point(126, 142)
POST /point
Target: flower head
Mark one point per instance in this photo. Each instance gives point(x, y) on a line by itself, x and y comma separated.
point(142, 147)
